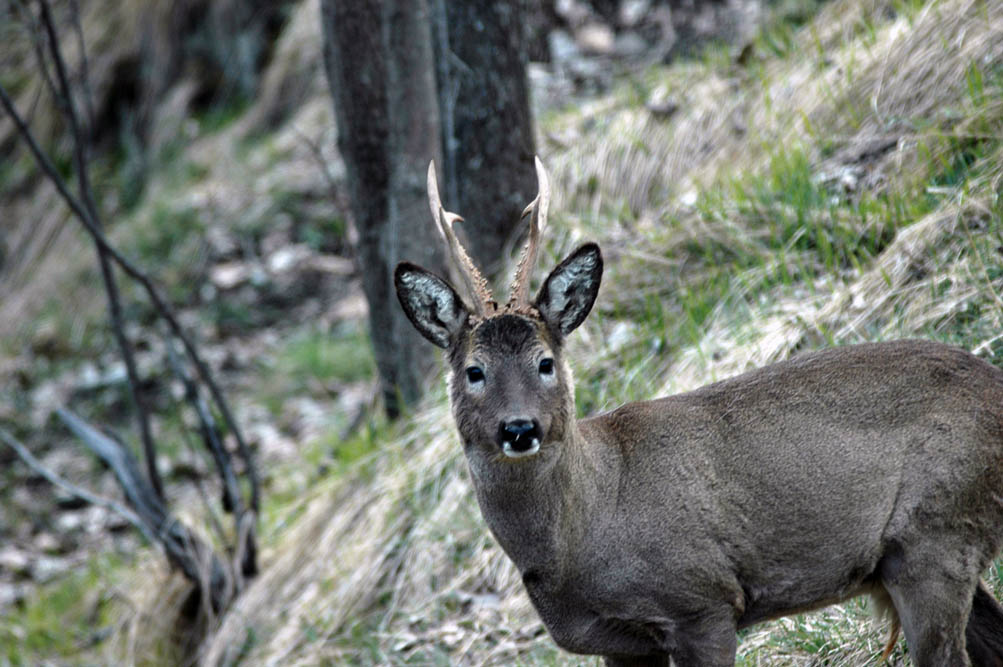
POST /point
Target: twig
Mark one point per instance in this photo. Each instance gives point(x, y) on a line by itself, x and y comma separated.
point(74, 490)
point(232, 500)
point(147, 284)
point(317, 153)
point(107, 272)
point(85, 77)
point(37, 47)
point(186, 551)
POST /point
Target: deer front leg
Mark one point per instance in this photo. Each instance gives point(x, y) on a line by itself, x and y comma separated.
point(706, 646)
point(636, 661)
point(707, 641)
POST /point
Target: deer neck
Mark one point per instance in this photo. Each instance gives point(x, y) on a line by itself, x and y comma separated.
point(537, 509)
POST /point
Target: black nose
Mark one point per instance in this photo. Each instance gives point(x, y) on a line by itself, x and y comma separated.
point(519, 433)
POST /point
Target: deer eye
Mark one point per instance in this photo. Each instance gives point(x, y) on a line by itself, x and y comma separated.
point(546, 366)
point(475, 374)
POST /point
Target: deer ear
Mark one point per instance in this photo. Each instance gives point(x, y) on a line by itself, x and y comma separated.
point(570, 290)
point(433, 307)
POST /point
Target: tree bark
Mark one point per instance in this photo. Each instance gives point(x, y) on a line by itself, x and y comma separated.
point(488, 144)
point(379, 63)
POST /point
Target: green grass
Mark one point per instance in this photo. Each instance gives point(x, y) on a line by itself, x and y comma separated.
point(65, 618)
point(314, 356)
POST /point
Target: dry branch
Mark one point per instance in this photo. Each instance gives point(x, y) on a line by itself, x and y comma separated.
point(184, 549)
point(74, 490)
point(107, 272)
point(216, 578)
point(134, 272)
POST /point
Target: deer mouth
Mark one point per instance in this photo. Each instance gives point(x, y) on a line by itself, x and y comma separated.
point(520, 449)
point(519, 438)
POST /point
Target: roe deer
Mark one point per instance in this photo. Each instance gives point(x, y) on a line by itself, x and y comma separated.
point(656, 531)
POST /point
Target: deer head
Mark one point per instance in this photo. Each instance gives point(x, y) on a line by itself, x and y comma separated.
point(511, 391)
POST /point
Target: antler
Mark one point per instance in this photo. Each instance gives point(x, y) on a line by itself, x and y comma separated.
point(476, 285)
point(538, 207)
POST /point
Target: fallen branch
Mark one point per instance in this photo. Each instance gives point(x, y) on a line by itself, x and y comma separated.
point(184, 549)
point(74, 490)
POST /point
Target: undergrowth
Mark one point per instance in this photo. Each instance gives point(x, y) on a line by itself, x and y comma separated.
point(842, 184)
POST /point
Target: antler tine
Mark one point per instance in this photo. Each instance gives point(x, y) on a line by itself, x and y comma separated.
point(473, 281)
point(538, 207)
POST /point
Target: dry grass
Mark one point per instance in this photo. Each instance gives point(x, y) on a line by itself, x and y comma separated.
point(391, 562)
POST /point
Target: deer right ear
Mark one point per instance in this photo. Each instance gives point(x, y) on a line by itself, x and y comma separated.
point(433, 307)
point(570, 290)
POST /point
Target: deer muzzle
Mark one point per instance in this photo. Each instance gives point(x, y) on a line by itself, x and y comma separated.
point(519, 437)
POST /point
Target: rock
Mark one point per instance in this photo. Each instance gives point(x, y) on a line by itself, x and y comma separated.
point(563, 48)
point(572, 11)
point(662, 110)
point(595, 38)
point(229, 275)
point(186, 465)
point(222, 243)
point(70, 522)
point(11, 595)
point(48, 342)
point(48, 543)
point(660, 104)
point(47, 568)
point(279, 235)
point(630, 45)
point(90, 378)
point(632, 12)
point(271, 444)
point(287, 258)
point(15, 561)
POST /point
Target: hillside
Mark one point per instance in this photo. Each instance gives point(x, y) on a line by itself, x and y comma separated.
point(838, 180)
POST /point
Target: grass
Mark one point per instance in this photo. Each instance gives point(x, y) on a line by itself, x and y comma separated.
point(316, 362)
point(844, 185)
point(62, 618)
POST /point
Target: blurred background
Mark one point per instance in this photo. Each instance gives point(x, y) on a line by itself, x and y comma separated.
point(764, 177)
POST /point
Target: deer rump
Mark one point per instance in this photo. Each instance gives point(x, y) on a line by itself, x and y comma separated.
point(654, 532)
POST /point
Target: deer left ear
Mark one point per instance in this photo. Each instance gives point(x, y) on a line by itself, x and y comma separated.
point(570, 290)
point(430, 303)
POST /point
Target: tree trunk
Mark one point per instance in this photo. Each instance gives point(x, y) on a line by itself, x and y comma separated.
point(378, 57)
point(487, 130)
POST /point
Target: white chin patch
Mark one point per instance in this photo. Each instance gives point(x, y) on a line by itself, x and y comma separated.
point(517, 454)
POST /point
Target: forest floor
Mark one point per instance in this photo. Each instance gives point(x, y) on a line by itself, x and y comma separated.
point(836, 180)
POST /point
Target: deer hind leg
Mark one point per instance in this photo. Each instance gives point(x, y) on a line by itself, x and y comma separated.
point(932, 594)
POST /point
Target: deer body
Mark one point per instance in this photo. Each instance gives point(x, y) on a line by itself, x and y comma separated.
point(659, 529)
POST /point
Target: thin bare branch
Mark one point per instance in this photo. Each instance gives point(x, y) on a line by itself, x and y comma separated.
point(85, 77)
point(83, 494)
point(232, 500)
point(37, 45)
point(49, 170)
point(185, 550)
point(107, 272)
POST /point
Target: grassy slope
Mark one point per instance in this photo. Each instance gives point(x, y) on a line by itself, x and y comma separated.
point(843, 186)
